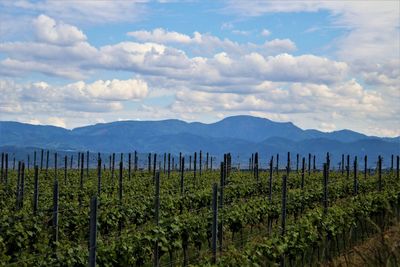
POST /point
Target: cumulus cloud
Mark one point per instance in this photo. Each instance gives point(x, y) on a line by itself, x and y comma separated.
point(371, 27)
point(112, 90)
point(223, 68)
point(337, 106)
point(99, 96)
point(47, 30)
point(236, 63)
point(200, 74)
point(280, 45)
point(207, 44)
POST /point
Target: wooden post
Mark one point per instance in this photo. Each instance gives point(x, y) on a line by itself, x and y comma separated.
point(129, 166)
point(47, 162)
point(180, 161)
point(2, 167)
point(182, 175)
point(112, 169)
point(355, 184)
point(154, 164)
point(6, 170)
point(41, 160)
point(221, 204)
point(297, 162)
point(110, 166)
point(380, 173)
point(87, 164)
point(348, 167)
point(303, 166)
point(136, 161)
point(81, 171)
point(342, 165)
point(288, 164)
point(391, 163)
point(314, 165)
point(255, 175)
point(55, 166)
point(200, 162)
point(120, 182)
point(309, 164)
point(365, 166)
point(149, 163)
point(169, 164)
point(271, 162)
point(65, 168)
point(207, 158)
point(165, 162)
point(194, 166)
point(328, 161)
point(99, 176)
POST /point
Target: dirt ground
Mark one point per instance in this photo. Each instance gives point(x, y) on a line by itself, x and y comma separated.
point(381, 250)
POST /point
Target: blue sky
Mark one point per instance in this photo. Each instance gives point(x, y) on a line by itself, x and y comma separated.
point(327, 65)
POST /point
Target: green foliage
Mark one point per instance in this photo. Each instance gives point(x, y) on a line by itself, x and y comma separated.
point(127, 231)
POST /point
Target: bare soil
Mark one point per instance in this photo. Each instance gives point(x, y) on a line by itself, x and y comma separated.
point(382, 249)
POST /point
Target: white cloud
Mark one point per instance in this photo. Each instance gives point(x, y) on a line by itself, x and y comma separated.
point(248, 63)
point(117, 90)
point(371, 43)
point(88, 11)
point(308, 105)
point(265, 32)
point(202, 75)
point(48, 31)
point(281, 45)
point(160, 35)
point(12, 67)
point(205, 44)
point(99, 96)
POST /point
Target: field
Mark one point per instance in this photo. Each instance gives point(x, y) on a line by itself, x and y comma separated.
point(164, 214)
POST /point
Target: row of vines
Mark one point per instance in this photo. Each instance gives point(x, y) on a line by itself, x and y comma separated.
point(170, 214)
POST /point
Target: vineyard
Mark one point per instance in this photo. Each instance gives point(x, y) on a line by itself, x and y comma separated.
point(188, 210)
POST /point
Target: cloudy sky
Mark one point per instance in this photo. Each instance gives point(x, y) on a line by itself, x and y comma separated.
point(327, 65)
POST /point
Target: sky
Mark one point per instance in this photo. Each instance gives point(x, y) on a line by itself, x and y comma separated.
point(326, 65)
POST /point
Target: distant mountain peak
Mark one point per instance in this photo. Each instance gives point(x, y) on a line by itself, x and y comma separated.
point(236, 134)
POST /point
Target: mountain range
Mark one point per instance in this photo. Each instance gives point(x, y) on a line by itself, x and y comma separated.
point(240, 135)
